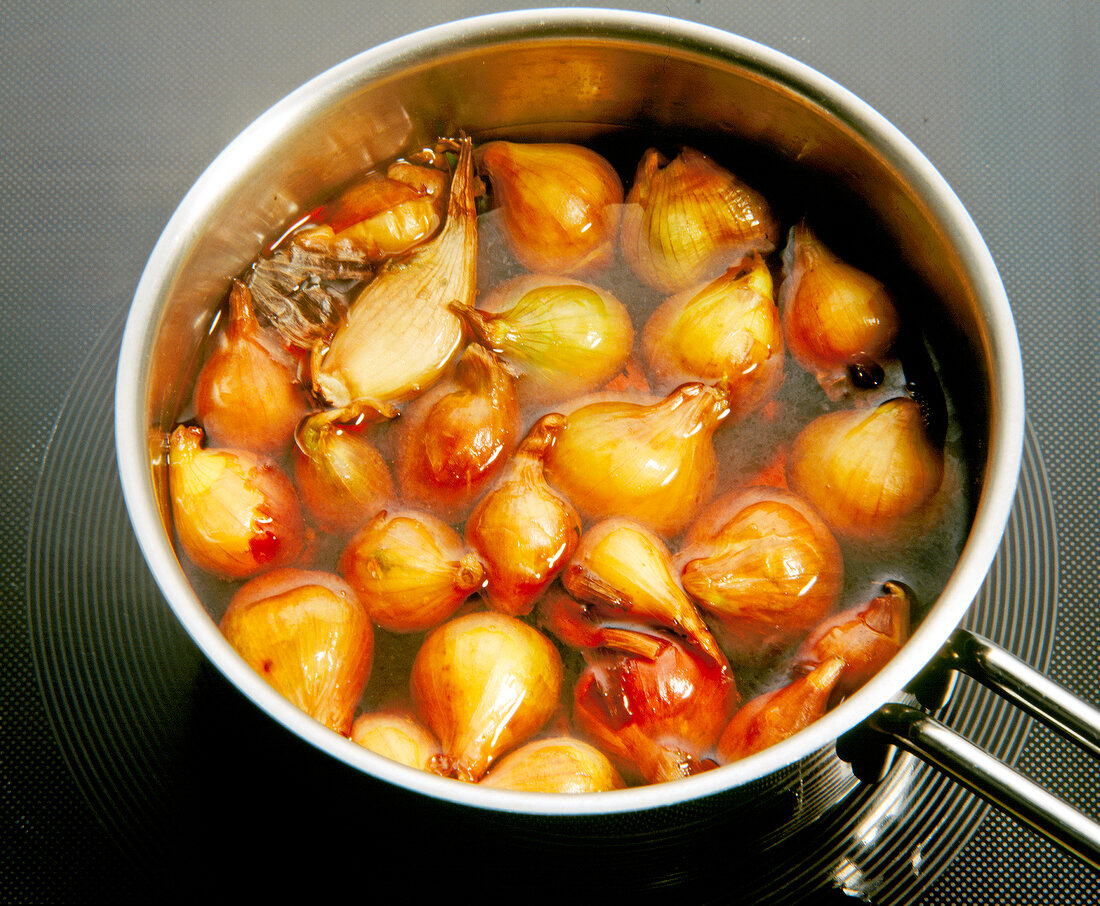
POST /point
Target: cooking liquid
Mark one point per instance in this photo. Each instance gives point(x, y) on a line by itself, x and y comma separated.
point(743, 448)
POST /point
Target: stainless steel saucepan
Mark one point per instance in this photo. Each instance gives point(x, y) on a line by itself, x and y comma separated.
point(580, 74)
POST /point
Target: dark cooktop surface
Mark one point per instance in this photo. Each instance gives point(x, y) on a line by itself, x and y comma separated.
point(130, 768)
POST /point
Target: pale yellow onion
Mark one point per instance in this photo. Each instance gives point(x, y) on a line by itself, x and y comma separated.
point(236, 513)
point(653, 463)
point(307, 634)
point(341, 476)
point(452, 442)
point(524, 531)
point(779, 714)
point(559, 764)
point(834, 315)
point(562, 337)
point(247, 394)
point(727, 329)
point(867, 472)
point(560, 203)
point(400, 334)
point(410, 569)
point(622, 567)
point(398, 735)
point(763, 567)
point(485, 683)
point(688, 219)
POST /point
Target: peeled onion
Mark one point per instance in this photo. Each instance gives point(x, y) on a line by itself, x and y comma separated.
point(485, 682)
point(235, 513)
point(307, 634)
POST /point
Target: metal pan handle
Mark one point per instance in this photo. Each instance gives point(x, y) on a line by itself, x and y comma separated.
point(914, 731)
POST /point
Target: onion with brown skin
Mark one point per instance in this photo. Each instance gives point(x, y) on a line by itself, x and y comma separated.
point(411, 570)
point(725, 330)
point(247, 395)
point(398, 735)
point(657, 707)
point(455, 440)
point(341, 476)
point(560, 203)
point(236, 513)
point(834, 315)
point(559, 764)
point(653, 463)
point(864, 638)
point(868, 473)
point(308, 635)
point(524, 531)
point(688, 219)
point(779, 714)
point(763, 567)
point(485, 683)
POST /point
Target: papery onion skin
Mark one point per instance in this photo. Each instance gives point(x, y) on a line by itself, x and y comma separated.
point(654, 464)
point(397, 735)
point(342, 478)
point(410, 569)
point(763, 567)
point(834, 315)
point(485, 683)
point(454, 441)
point(779, 714)
point(563, 337)
point(688, 219)
point(622, 568)
point(400, 334)
point(867, 473)
point(559, 764)
point(247, 395)
point(523, 530)
point(561, 204)
point(308, 636)
point(385, 215)
point(236, 513)
point(725, 330)
point(657, 718)
point(865, 638)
